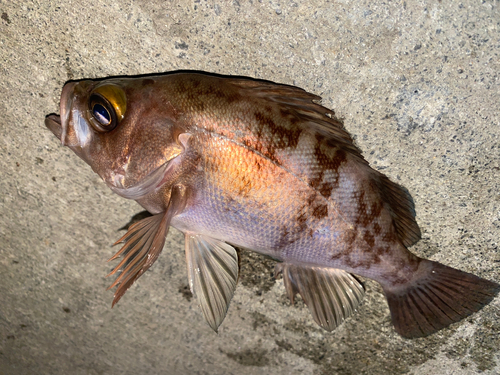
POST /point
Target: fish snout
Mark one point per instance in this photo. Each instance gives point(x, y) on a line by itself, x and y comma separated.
point(58, 124)
point(53, 123)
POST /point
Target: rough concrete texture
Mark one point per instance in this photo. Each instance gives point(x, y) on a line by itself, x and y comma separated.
point(417, 84)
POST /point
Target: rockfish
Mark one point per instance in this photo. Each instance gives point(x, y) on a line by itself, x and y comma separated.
point(235, 162)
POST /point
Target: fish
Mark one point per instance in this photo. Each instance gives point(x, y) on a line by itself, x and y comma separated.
point(235, 162)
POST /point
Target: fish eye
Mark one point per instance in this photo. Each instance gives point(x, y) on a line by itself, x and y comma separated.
point(101, 114)
point(107, 106)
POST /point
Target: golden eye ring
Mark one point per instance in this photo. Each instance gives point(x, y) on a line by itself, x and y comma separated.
point(107, 107)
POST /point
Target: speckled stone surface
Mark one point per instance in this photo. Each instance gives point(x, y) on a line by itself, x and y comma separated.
point(417, 84)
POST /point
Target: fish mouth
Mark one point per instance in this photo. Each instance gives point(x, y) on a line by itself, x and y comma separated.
point(59, 124)
point(53, 122)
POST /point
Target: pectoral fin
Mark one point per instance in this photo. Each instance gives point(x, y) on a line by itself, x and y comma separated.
point(144, 242)
point(332, 295)
point(213, 273)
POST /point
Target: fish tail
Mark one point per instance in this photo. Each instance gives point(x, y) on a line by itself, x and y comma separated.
point(437, 297)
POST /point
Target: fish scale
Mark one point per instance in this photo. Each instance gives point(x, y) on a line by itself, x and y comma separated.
point(240, 162)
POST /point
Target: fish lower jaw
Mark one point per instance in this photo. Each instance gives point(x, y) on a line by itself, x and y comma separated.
point(53, 123)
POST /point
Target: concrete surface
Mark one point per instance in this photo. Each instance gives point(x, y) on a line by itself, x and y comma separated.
point(417, 84)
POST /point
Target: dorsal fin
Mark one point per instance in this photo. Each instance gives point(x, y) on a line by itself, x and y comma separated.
point(301, 104)
point(402, 210)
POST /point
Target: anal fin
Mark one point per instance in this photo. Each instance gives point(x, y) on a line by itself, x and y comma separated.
point(213, 274)
point(332, 295)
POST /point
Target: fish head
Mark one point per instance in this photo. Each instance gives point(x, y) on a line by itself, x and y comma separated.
point(124, 128)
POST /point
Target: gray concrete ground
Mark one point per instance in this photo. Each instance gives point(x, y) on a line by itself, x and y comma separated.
point(417, 84)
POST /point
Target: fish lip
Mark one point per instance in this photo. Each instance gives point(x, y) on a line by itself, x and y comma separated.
point(53, 123)
point(150, 183)
point(59, 124)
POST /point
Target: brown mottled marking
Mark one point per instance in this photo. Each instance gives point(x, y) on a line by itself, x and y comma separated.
point(361, 212)
point(328, 163)
point(350, 237)
point(285, 238)
point(301, 218)
point(337, 256)
point(278, 137)
point(286, 137)
point(289, 236)
point(377, 229)
point(147, 82)
point(381, 250)
point(301, 221)
point(258, 165)
point(245, 186)
point(369, 238)
point(316, 181)
point(365, 216)
point(264, 120)
point(390, 237)
point(358, 263)
point(310, 199)
point(401, 278)
point(326, 189)
point(348, 240)
point(339, 158)
point(289, 116)
point(195, 81)
point(376, 209)
point(196, 92)
point(320, 211)
point(281, 137)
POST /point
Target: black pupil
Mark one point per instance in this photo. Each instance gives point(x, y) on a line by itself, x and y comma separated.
point(101, 114)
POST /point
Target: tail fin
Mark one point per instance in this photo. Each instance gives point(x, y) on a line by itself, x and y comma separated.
point(439, 297)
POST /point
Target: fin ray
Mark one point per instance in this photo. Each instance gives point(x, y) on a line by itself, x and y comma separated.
point(213, 274)
point(144, 242)
point(439, 297)
point(301, 104)
point(332, 295)
point(133, 246)
point(402, 209)
point(131, 238)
